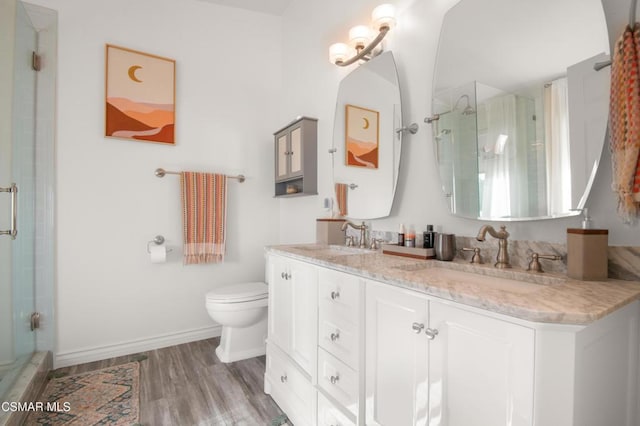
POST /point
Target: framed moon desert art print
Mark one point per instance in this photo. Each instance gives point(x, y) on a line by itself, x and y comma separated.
point(140, 96)
point(361, 138)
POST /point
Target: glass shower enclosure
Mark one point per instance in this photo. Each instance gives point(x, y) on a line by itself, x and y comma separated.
point(25, 198)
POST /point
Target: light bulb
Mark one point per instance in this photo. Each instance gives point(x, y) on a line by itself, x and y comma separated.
point(359, 36)
point(383, 16)
point(339, 52)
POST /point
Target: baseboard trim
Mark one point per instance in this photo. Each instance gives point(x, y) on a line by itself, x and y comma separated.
point(66, 359)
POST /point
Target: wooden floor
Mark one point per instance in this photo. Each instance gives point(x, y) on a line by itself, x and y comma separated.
point(187, 385)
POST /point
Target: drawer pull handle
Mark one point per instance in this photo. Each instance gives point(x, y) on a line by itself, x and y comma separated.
point(417, 328)
point(283, 379)
point(335, 336)
point(335, 295)
point(431, 333)
point(334, 379)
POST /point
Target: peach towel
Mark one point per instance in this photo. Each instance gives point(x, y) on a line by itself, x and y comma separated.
point(204, 211)
point(341, 198)
point(624, 122)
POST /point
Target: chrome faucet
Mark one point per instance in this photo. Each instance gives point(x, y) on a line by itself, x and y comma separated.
point(502, 258)
point(363, 230)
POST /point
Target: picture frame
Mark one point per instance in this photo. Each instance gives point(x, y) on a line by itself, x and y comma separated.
point(362, 136)
point(139, 96)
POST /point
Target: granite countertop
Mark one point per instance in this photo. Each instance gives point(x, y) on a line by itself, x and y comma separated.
point(545, 297)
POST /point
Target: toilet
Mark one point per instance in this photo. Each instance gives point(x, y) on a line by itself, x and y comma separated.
point(241, 310)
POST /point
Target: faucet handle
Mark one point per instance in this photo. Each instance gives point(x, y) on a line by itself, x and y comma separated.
point(349, 241)
point(476, 258)
point(375, 243)
point(535, 266)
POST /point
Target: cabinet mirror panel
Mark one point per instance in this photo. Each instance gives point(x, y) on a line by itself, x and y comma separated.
point(366, 147)
point(520, 112)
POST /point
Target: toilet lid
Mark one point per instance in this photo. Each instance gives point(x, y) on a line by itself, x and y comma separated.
point(239, 292)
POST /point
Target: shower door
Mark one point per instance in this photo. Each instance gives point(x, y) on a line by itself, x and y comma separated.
point(17, 209)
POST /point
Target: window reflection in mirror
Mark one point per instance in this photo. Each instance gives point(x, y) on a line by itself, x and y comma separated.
point(522, 112)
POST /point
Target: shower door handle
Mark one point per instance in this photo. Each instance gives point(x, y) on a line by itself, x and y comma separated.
point(13, 189)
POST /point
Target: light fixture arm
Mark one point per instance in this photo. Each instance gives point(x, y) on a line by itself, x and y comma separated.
point(362, 54)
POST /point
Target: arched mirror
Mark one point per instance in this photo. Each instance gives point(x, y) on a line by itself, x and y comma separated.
point(366, 146)
point(520, 113)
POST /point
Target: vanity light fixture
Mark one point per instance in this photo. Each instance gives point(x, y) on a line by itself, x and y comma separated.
point(360, 37)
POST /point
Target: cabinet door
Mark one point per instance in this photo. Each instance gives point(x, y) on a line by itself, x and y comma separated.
point(282, 157)
point(304, 321)
point(280, 307)
point(295, 152)
point(396, 356)
point(480, 370)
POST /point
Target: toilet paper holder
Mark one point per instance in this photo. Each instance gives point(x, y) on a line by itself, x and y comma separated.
point(158, 240)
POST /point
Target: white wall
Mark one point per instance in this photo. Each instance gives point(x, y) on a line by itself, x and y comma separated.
point(109, 203)
point(310, 88)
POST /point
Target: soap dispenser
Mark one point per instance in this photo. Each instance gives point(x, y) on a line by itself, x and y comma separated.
point(586, 219)
point(587, 251)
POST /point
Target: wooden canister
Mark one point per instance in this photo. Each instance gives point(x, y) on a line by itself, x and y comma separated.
point(329, 231)
point(587, 254)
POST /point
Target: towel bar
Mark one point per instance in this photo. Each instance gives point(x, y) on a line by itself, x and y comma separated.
point(161, 172)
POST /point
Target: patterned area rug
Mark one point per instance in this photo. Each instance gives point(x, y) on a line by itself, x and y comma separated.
point(102, 397)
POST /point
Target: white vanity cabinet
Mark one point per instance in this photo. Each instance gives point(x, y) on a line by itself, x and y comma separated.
point(438, 363)
point(396, 356)
point(347, 350)
point(292, 337)
point(428, 360)
point(340, 339)
point(481, 369)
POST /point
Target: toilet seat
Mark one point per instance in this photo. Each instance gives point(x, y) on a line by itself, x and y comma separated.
point(238, 293)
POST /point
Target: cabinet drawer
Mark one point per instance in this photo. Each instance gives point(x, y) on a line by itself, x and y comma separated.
point(339, 294)
point(290, 388)
point(340, 338)
point(330, 415)
point(338, 380)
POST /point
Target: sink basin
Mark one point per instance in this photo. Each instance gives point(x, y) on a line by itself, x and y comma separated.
point(505, 284)
point(332, 250)
point(481, 275)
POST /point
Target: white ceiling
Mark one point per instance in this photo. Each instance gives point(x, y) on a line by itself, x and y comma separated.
point(273, 7)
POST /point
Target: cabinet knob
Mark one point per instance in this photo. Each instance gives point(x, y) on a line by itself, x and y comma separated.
point(334, 379)
point(417, 328)
point(283, 275)
point(335, 336)
point(283, 379)
point(431, 333)
point(287, 276)
point(335, 295)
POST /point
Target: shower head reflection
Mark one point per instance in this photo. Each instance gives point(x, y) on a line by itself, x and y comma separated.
point(468, 110)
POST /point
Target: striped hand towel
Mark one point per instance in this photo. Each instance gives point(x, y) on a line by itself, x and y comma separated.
point(341, 198)
point(204, 211)
point(624, 121)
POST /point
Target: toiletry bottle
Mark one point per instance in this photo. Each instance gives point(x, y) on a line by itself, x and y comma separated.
point(410, 237)
point(429, 237)
point(401, 235)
